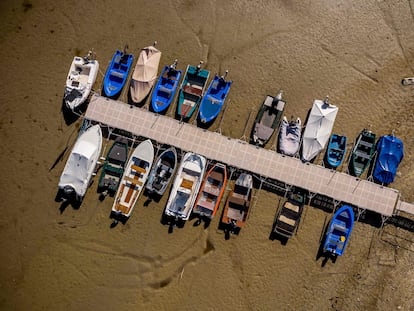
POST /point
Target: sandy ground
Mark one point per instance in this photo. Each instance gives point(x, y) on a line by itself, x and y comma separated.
point(355, 51)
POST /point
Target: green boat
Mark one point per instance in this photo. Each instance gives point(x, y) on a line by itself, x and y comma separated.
point(113, 168)
point(362, 153)
point(192, 90)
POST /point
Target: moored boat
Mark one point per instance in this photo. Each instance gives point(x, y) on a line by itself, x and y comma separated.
point(81, 77)
point(318, 128)
point(145, 73)
point(133, 180)
point(186, 185)
point(336, 150)
point(238, 203)
point(338, 231)
point(362, 153)
point(113, 167)
point(211, 191)
point(390, 152)
point(267, 119)
point(191, 90)
point(289, 136)
point(213, 100)
point(166, 87)
point(81, 164)
point(117, 73)
point(162, 172)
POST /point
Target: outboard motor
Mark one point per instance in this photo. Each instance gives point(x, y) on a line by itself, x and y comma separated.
point(69, 193)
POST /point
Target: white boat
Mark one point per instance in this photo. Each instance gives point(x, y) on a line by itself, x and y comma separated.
point(134, 178)
point(81, 77)
point(80, 166)
point(318, 128)
point(145, 73)
point(186, 186)
point(289, 136)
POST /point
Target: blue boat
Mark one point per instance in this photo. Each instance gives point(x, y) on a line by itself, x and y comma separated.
point(166, 88)
point(390, 152)
point(117, 73)
point(213, 100)
point(339, 230)
point(336, 150)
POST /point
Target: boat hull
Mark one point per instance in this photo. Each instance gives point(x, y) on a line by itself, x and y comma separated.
point(162, 172)
point(117, 74)
point(362, 153)
point(336, 150)
point(165, 89)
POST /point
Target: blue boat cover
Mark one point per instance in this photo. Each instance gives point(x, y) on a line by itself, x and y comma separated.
point(390, 152)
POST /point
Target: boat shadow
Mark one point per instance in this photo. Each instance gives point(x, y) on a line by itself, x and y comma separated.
point(71, 116)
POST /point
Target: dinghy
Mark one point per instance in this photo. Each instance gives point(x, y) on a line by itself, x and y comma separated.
point(267, 119)
point(362, 153)
point(80, 166)
point(166, 87)
point(335, 152)
point(211, 191)
point(135, 175)
point(213, 100)
point(186, 186)
point(81, 77)
point(162, 172)
point(390, 152)
point(145, 73)
point(117, 73)
point(338, 231)
point(289, 136)
point(191, 90)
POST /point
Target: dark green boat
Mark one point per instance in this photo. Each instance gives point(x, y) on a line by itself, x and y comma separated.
point(362, 153)
point(113, 168)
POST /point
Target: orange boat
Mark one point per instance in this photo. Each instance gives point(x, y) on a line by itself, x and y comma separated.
point(238, 203)
point(211, 191)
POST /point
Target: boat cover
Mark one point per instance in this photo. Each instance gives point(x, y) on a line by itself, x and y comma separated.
point(390, 152)
point(318, 129)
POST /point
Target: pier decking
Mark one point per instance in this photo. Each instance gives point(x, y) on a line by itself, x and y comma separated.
point(234, 152)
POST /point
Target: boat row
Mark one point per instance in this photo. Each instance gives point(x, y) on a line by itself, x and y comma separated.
point(194, 92)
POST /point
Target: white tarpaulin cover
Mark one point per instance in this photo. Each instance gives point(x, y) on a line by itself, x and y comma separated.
point(318, 129)
point(82, 160)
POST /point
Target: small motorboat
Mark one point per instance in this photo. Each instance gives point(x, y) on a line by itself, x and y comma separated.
point(362, 153)
point(191, 90)
point(133, 180)
point(81, 164)
point(166, 87)
point(338, 231)
point(145, 73)
point(267, 119)
point(390, 152)
point(336, 150)
point(82, 75)
point(211, 191)
point(213, 100)
point(289, 136)
point(162, 172)
point(117, 73)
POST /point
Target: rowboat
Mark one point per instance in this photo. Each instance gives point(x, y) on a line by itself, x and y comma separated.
point(214, 98)
point(162, 172)
point(186, 186)
point(133, 180)
point(80, 166)
point(191, 90)
point(81, 77)
point(145, 73)
point(117, 73)
point(336, 150)
point(338, 231)
point(166, 87)
point(238, 203)
point(362, 153)
point(289, 136)
point(113, 168)
point(267, 119)
point(211, 191)
point(390, 152)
